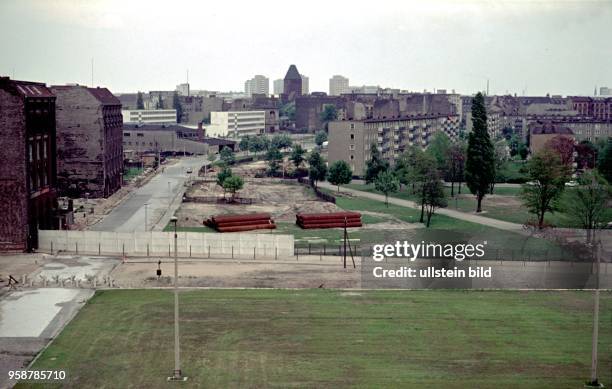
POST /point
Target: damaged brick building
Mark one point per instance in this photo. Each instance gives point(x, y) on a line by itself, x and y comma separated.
point(28, 163)
point(89, 141)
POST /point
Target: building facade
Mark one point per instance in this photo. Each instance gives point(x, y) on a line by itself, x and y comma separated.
point(338, 85)
point(235, 124)
point(279, 87)
point(176, 139)
point(28, 168)
point(305, 84)
point(350, 140)
point(149, 116)
point(257, 85)
point(89, 141)
point(292, 84)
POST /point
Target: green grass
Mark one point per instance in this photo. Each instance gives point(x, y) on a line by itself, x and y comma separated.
point(130, 173)
point(514, 213)
point(330, 339)
point(448, 229)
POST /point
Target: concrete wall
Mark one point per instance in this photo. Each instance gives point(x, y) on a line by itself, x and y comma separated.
point(195, 244)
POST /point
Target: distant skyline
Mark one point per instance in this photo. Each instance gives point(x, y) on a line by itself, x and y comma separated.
point(536, 47)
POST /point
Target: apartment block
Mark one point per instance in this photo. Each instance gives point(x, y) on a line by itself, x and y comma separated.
point(350, 140)
point(235, 124)
point(149, 116)
point(89, 141)
point(27, 163)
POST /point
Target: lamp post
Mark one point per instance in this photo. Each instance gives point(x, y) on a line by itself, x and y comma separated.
point(146, 205)
point(177, 375)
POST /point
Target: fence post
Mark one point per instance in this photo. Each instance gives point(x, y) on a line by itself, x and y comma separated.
point(309, 249)
point(232, 251)
point(147, 249)
point(208, 251)
point(275, 253)
point(99, 248)
point(168, 249)
point(76, 245)
point(253, 253)
point(123, 248)
point(51, 247)
point(324, 253)
point(189, 251)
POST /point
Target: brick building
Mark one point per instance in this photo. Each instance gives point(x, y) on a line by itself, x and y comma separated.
point(28, 163)
point(292, 84)
point(89, 141)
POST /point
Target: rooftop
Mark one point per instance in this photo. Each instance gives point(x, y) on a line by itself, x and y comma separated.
point(26, 88)
point(292, 73)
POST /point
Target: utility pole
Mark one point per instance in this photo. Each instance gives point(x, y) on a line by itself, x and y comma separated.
point(177, 374)
point(594, 382)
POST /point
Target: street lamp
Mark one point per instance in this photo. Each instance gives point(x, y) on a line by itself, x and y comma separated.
point(177, 375)
point(146, 205)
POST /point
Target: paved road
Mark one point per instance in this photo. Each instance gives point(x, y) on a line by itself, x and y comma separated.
point(158, 199)
point(502, 225)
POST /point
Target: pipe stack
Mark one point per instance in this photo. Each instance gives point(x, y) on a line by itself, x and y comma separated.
point(328, 220)
point(238, 223)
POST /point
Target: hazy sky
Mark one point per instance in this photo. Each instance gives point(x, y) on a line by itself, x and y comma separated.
point(539, 47)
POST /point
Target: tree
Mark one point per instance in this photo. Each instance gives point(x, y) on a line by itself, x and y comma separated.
point(176, 104)
point(288, 110)
point(434, 197)
point(139, 101)
point(501, 157)
point(320, 138)
point(564, 146)
point(329, 114)
point(227, 156)
point(233, 184)
point(375, 165)
point(274, 158)
point(547, 176)
point(587, 202)
point(604, 164)
point(508, 132)
point(281, 141)
point(439, 149)
point(297, 155)
point(480, 163)
point(523, 151)
point(257, 144)
point(223, 175)
point(405, 167)
point(339, 174)
point(386, 183)
point(425, 171)
point(586, 155)
point(245, 143)
point(456, 165)
point(317, 169)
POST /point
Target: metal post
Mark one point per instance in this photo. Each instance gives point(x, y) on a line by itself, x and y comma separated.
point(177, 375)
point(594, 381)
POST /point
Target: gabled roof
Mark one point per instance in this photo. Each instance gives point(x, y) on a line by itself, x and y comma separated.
point(28, 88)
point(292, 73)
point(104, 96)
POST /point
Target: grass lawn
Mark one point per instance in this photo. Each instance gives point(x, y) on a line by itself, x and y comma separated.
point(497, 209)
point(329, 339)
point(451, 230)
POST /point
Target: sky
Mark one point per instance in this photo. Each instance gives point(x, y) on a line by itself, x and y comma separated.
point(523, 47)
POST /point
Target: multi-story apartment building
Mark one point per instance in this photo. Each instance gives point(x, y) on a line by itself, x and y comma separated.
point(89, 141)
point(596, 108)
point(338, 85)
point(279, 87)
point(257, 85)
point(305, 84)
point(149, 116)
point(183, 89)
point(351, 140)
point(28, 163)
point(235, 124)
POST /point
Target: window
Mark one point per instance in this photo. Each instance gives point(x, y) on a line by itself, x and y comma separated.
point(140, 134)
point(127, 134)
point(351, 147)
point(352, 157)
point(352, 136)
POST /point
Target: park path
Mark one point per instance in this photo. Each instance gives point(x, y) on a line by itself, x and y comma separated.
point(502, 225)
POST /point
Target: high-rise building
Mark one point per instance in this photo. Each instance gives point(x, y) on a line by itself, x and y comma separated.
point(235, 124)
point(27, 163)
point(183, 89)
point(338, 85)
point(305, 84)
point(89, 141)
point(257, 85)
point(292, 85)
point(279, 86)
point(605, 91)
